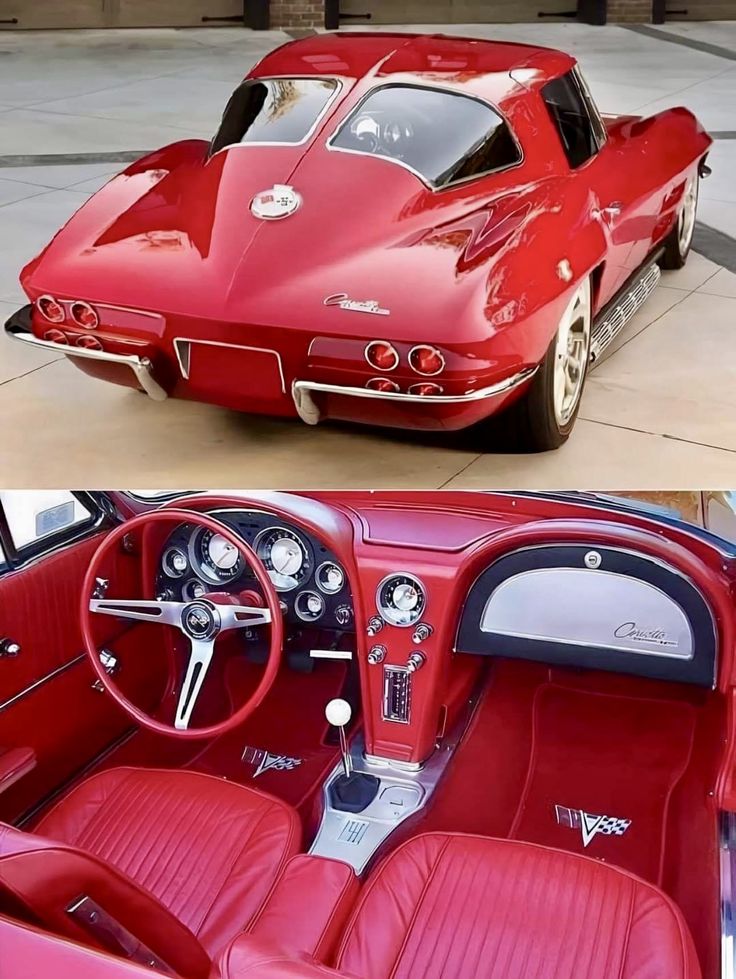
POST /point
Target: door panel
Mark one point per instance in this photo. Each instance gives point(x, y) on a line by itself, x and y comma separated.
point(175, 13)
point(47, 699)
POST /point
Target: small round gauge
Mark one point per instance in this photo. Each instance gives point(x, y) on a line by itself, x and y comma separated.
point(175, 562)
point(284, 556)
point(330, 578)
point(401, 599)
point(309, 606)
point(216, 558)
point(193, 589)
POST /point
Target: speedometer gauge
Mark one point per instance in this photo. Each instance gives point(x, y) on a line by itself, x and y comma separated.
point(284, 556)
point(215, 558)
point(401, 599)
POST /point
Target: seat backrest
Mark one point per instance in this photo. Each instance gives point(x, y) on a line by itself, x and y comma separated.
point(75, 895)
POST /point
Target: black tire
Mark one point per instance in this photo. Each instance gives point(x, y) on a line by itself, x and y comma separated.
point(675, 256)
point(530, 424)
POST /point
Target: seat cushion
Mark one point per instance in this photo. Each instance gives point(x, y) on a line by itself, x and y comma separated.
point(466, 907)
point(208, 849)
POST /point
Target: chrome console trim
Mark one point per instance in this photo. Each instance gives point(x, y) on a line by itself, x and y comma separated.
point(141, 366)
point(354, 838)
point(728, 881)
point(309, 412)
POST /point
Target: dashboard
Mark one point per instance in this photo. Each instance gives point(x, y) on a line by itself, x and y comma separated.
point(312, 584)
point(421, 593)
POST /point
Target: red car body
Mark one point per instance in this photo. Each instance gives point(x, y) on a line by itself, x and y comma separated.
point(206, 301)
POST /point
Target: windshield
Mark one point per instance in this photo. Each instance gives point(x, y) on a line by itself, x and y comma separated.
point(274, 110)
point(441, 136)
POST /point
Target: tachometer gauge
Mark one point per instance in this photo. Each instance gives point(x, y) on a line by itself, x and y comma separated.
point(284, 556)
point(309, 606)
point(330, 578)
point(401, 599)
point(217, 559)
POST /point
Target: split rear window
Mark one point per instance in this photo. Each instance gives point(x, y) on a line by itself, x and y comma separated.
point(274, 110)
point(441, 136)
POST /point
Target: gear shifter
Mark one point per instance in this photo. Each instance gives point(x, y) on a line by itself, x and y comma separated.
point(350, 791)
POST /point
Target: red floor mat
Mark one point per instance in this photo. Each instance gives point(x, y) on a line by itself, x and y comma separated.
point(289, 722)
point(607, 756)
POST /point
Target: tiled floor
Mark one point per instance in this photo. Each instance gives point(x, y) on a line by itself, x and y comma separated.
point(660, 409)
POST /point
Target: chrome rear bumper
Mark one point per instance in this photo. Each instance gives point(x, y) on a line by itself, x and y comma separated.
point(309, 412)
point(18, 327)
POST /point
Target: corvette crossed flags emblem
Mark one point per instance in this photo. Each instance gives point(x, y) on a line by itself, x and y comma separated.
point(589, 824)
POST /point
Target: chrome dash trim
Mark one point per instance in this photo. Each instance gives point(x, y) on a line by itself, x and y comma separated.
point(183, 354)
point(141, 366)
point(41, 681)
point(308, 411)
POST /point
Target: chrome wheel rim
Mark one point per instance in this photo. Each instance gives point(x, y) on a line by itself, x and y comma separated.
point(686, 219)
point(572, 350)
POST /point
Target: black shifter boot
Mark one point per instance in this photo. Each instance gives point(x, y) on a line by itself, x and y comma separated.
point(354, 792)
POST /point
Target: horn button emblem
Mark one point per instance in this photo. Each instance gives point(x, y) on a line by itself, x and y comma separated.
point(200, 621)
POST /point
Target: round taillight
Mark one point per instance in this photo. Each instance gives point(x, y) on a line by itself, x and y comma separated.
point(84, 315)
point(89, 343)
point(425, 388)
point(50, 309)
point(382, 384)
point(381, 355)
point(55, 336)
point(426, 360)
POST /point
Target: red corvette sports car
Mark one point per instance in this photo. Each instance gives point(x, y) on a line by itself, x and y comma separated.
point(365, 735)
point(406, 230)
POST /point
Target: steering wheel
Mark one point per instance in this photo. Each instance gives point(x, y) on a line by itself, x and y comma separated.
point(201, 621)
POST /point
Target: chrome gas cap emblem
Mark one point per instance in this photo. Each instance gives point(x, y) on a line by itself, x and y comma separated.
point(200, 621)
point(279, 201)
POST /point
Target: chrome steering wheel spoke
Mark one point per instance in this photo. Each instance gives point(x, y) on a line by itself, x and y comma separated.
point(200, 658)
point(168, 613)
point(242, 616)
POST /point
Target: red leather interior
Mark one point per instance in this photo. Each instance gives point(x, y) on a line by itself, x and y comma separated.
point(249, 958)
point(207, 849)
point(465, 907)
point(40, 880)
point(62, 719)
point(307, 909)
point(14, 764)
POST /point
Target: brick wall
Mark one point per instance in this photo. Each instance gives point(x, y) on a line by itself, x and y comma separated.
point(629, 11)
point(297, 13)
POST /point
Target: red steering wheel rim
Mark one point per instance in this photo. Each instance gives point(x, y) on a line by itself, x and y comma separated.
point(272, 603)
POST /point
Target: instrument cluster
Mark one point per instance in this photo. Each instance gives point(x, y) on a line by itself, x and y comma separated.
point(311, 583)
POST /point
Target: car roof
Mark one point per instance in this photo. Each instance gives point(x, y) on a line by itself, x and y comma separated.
point(356, 54)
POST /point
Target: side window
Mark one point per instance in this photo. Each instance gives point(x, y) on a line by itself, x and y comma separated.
point(574, 116)
point(34, 518)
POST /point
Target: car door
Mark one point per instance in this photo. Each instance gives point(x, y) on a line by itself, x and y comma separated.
point(595, 159)
point(54, 719)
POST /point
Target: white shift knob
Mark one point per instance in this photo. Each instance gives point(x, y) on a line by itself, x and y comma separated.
point(338, 712)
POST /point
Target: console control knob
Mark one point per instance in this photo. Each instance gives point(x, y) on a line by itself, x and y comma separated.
point(343, 615)
point(415, 662)
point(422, 632)
point(376, 655)
point(375, 625)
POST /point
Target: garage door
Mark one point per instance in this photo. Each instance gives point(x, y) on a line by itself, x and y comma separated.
point(451, 11)
point(700, 10)
point(48, 14)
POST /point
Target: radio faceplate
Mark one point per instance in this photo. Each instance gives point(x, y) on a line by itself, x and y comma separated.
point(396, 694)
